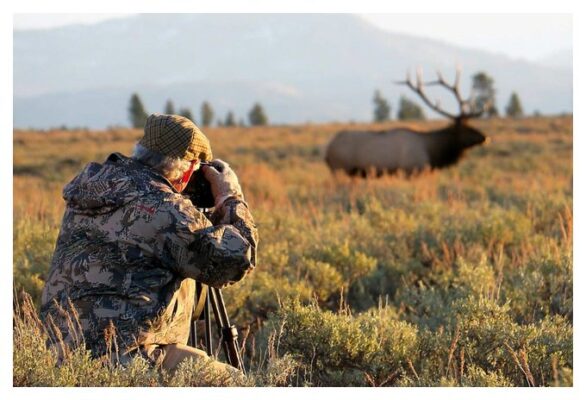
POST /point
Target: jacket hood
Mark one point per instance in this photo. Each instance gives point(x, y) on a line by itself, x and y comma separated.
point(103, 188)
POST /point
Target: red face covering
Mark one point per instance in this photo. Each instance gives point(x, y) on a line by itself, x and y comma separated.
point(182, 184)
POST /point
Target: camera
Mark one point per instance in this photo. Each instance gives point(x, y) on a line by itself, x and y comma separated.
point(199, 190)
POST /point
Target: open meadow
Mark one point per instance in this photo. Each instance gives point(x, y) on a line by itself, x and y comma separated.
point(456, 277)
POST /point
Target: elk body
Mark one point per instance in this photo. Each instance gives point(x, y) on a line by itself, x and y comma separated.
point(359, 153)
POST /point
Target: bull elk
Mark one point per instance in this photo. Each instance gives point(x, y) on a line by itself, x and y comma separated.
point(358, 152)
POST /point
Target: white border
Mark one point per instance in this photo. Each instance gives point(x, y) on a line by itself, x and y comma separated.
point(244, 6)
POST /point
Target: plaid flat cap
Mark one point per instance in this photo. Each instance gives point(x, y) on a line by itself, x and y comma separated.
point(175, 136)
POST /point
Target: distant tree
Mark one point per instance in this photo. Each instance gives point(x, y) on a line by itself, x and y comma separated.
point(257, 115)
point(230, 119)
point(484, 94)
point(514, 108)
point(137, 112)
point(169, 107)
point(241, 122)
point(207, 114)
point(186, 112)
point(382, 109)
point(409, 110)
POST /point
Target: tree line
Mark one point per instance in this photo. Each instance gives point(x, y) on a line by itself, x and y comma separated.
point(138, 114)
point(483, 96)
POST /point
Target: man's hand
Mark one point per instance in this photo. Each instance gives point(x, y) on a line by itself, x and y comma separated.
point(223, 181)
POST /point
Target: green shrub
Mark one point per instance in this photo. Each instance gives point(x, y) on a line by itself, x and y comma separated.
point(341, 350)
point(473, 262)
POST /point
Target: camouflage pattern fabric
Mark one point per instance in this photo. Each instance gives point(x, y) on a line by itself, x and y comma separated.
point(127, 255)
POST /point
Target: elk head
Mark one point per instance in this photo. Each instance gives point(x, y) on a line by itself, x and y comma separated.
point(464, 134)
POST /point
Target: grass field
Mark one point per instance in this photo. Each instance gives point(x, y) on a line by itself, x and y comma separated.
point(459, 277)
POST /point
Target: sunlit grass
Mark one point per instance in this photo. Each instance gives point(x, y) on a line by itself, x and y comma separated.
point(470, 267)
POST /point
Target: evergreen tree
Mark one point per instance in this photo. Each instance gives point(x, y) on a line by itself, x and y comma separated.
point(186, 112)
point(514, 108)
point(409, 110)
point(207, 114)
point(137, 112)
point(230, 119)
point(257, 115)
point(169, 107)
point(484, 94)
point(382, 109)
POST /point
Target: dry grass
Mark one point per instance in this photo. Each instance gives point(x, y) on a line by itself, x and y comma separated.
point(491, 236)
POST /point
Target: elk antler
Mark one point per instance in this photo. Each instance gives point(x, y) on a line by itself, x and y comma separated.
point(464, 105)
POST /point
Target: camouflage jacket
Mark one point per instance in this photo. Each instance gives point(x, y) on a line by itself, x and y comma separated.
point(128, 252)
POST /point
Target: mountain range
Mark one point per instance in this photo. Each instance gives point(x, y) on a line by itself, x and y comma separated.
point(300, 67)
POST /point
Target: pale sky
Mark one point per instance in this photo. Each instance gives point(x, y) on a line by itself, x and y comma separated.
point(529, 36)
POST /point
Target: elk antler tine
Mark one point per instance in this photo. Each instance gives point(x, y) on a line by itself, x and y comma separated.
point(458, 74)
point(417, 87)
point(419, 78)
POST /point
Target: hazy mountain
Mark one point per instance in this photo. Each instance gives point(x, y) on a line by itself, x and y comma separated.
point(301, 67)
point(561, 59)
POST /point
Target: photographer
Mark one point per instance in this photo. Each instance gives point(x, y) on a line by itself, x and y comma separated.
point(131, 247)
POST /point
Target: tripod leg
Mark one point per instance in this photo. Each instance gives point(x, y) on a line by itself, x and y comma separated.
point(228, 333)
point(221, 325)
point(214, 303)
point(193, 334)
point(208, 326)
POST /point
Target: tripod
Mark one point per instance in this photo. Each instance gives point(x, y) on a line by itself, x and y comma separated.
point(228, 334)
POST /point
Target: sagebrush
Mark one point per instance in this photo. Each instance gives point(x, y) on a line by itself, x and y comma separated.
point(459, 277)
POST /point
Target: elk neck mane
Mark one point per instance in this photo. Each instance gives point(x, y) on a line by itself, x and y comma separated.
point(443, 146)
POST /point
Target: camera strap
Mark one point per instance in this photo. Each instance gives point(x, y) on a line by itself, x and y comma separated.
point(202, 292)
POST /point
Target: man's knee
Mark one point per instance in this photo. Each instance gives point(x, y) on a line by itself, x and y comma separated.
point(175, 353)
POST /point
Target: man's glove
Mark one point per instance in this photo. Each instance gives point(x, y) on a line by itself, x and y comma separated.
point(223, 181)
